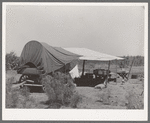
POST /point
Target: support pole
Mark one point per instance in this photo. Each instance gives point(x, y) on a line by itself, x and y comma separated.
point(83, 68)
point(108, 73)
point(131, 67)
point(124, 63)
point(116, 70)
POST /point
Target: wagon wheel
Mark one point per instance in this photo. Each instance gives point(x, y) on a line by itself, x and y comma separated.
point(23, 78)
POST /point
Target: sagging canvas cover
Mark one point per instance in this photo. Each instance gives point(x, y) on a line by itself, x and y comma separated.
point(47, 58)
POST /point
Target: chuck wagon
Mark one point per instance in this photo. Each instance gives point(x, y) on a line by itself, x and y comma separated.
point(39, 59)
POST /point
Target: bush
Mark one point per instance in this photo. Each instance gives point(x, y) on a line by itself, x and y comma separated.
point(12, 95)
point(134, 101)
point(17, 97)
point(12, 61)
point(60, 89)
point(75, 99)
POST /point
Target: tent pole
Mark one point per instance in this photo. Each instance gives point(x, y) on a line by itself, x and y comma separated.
point(116, 70)
point(131, 67)
point(65, 69)
point(83, 68)
point(108, 73)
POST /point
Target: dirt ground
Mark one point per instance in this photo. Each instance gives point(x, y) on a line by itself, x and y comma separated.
point(116, 96)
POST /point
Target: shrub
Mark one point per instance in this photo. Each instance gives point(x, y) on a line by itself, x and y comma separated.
point(17, 97)
point(12, 61)
point(59, 88)
point(11, 94)
point(75, 99)
point(133, 101)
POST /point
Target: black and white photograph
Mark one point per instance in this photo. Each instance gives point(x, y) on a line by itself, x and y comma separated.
point(75, 61)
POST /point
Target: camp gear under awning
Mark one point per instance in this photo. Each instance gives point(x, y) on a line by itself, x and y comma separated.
point(88, 54)
point(47, 58)
point(75, 72)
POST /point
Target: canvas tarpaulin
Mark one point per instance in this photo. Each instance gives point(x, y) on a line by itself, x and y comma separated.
point(88, 54)
point(47, 58)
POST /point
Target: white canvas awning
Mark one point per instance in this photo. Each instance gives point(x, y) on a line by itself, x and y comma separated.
point(88, 54)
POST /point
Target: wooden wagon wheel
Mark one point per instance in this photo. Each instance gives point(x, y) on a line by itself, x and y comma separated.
point(23, 78)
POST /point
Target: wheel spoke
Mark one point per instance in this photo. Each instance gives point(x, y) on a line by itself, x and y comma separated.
point(23, 78)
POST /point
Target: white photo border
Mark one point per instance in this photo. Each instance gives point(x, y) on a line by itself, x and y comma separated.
point(75, 114)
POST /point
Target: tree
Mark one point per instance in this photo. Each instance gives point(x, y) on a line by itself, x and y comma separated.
point(12, 61)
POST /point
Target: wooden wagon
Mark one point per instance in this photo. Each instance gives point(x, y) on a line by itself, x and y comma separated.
point(38, 59)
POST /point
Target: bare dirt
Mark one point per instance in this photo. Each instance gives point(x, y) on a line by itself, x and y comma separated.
point(115, 96)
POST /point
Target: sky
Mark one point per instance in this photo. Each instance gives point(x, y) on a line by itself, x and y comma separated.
point(114, 30)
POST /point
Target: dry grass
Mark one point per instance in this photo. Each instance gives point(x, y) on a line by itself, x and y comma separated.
point(63, 94)
point(18, 98)
point(59, 89)
point(104, 97)
point(134, 101)
point(128, 95)
point(75, 100)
